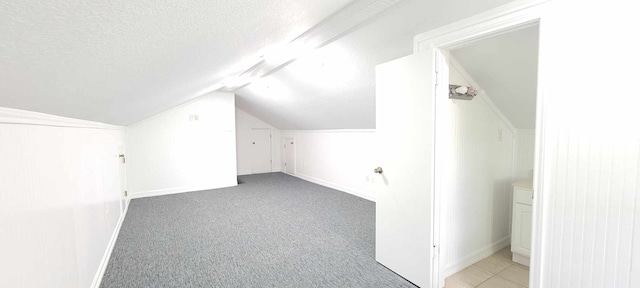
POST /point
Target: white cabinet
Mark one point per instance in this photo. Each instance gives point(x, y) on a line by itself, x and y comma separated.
point(521, 222)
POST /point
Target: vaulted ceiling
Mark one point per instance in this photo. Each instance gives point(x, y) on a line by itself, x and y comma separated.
point(119, 62)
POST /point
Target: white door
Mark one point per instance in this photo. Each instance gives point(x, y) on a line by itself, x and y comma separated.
point(260, 151)
point(123, 178)
point(404, 129)
point(290, 156)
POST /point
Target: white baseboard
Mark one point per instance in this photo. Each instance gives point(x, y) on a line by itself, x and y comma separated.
point(97, 279)
point(476, 256)
point(335, 186)
point(521, 259)
point(177, 190)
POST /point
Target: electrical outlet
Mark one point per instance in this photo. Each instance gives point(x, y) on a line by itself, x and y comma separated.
point(499, 135)
point(366, 178)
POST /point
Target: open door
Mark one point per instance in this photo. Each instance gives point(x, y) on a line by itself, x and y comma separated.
point(405, 129)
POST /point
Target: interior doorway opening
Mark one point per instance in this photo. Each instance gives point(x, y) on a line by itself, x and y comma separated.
point(485, 152)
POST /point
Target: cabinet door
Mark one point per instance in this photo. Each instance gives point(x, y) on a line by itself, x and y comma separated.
point(521, 236)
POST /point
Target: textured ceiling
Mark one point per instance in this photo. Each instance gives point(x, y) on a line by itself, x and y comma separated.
point(121, 61)
point(506, 67)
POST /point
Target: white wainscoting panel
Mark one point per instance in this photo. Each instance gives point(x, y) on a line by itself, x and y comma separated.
point(59, 200)
point(593, 201)
point(476, 213)
point(525, 154)
point(590, 185)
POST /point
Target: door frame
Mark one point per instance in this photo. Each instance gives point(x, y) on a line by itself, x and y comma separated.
point(507, 18)
point(122, 169)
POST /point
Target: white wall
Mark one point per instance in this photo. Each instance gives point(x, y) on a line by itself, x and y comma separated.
point(244, 123)
point(477, 200)
point(340, 159)
point(59, 198)
point(590, 183)
point(172, 153)
point(525, 153)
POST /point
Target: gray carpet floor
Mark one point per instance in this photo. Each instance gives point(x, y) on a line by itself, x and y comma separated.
point(272, 230)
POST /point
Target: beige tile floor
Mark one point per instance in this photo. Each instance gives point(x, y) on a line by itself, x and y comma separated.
point(495, 271)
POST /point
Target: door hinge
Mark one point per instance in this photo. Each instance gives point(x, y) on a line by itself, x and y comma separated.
point(126, 193)
point(437, 78)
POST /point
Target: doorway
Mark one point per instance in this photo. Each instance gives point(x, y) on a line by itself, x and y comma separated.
point(438, 43)
point(489, 136)
point(260, 151)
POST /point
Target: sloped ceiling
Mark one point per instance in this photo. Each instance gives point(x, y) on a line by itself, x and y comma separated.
point(506, 67)
point(334, 88)
point(121, 61)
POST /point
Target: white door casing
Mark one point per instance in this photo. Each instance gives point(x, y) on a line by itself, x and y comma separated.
point(405, 123)
point(123, 177)
point(260, 151)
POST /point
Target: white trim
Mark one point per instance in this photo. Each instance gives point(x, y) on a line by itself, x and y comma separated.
point(24, 117)
point(498, 20)
point(482, 95)
point(97, 279)
point(336, 187)
point(476, 256)
point(510, 17)
point(521, 259)
point(176, 190)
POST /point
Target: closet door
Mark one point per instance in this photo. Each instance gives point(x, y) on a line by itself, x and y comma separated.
point(404, 129)
point(260, 151)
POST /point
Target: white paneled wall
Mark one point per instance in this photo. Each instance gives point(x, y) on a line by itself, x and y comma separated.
point(340, 159)
point(187, 148)
point(594, 185)
point(59, 199)
point(525, 154)
point(590, 182)
point(244, 123)
point(477, 201)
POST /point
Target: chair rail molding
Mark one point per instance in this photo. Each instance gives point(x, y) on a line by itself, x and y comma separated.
point(24, 117)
